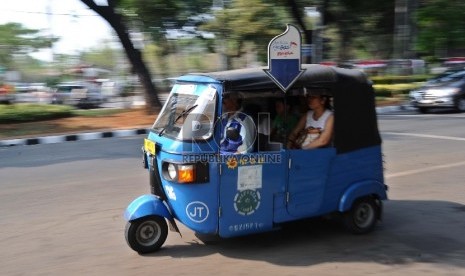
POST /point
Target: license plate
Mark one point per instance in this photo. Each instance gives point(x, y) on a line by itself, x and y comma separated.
point(149, 146)
point(78, 93)
point(425, 101)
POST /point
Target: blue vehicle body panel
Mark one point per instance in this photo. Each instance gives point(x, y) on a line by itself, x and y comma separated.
point(194, 204)
point(247, 188)
point(308, 176)
point(361, 168)
point(146, 205)
point(351, 168)
point(361, 189)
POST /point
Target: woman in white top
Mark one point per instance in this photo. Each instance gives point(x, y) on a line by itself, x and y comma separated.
point(316, 125)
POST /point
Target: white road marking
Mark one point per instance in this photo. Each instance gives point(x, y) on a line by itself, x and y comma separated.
point(434, 168)
point(425, 136)
point(436, 116)
point(439, 167)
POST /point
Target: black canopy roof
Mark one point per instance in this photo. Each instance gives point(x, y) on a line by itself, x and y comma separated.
point(353, 97)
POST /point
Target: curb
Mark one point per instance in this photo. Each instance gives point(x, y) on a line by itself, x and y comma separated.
point(73, 137)
point(393, 108)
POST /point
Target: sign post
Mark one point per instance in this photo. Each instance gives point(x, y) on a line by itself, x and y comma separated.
point(284, 58)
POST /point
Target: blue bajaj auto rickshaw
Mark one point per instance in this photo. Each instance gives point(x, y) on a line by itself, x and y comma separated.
point(231, 193)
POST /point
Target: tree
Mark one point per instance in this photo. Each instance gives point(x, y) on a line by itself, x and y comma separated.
point(158, 18)
point(239, 26)
point(361, 26)
point(356, 21)
point(103, 57)
point(441, 27)
point(134, 55)
point(16, 39)
point(246, 24)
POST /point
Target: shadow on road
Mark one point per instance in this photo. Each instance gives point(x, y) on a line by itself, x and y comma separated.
point(411, 232)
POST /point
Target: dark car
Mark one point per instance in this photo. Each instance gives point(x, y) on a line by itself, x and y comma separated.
point(445, 91)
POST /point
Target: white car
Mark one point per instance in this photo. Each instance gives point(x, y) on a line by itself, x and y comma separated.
point(447, 91)
point(79, 95)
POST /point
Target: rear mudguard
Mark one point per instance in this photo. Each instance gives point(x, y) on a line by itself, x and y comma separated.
point(149, 205)
point(361, 189)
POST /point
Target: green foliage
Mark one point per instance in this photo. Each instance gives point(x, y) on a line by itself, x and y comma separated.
point(156, 16)
point(441, 25)
point(104, 57)
point(253, 21)
point(19, 113)
point(395, 90)
point(394, 79)
point(16, 113)
point(364, 28)
point(16, 39)
point(355, 28)
point(397, 86)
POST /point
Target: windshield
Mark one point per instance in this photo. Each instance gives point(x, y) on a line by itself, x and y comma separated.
point(188, 113)
point(451, 77)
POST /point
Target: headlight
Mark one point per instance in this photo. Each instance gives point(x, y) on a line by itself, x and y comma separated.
point(448, 91)
point(413, 93)
point(172, 171)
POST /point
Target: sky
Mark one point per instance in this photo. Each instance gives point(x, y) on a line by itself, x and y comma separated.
point(77, 26)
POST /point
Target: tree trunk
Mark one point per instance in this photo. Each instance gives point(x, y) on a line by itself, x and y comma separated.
point(345, 42)
point(134, 55)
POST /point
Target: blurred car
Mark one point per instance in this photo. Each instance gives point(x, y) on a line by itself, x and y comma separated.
point(32, 93)
point(445, 91)
point(79, 95)
point(6, 94)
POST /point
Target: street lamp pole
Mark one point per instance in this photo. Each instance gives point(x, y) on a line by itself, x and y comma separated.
point(316, 19)
point(401, 29)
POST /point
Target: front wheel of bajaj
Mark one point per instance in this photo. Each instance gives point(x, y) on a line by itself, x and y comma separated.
point(147, 234)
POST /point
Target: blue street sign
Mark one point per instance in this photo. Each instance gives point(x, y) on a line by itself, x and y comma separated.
point(284, 58)
point(307, 50)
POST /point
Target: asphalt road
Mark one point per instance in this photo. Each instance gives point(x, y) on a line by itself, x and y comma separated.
point(61, 209)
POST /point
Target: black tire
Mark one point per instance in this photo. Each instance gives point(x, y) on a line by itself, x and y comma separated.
point(363, 216)
point(146, 234)
point(460, 105)
point(423, 110)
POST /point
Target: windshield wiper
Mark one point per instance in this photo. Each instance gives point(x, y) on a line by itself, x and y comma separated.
point(184, 113)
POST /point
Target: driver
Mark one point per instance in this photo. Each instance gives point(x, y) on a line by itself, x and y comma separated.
point(234, 122)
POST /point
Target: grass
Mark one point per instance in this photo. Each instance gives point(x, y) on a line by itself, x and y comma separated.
point(52, 122)
point(20, 113)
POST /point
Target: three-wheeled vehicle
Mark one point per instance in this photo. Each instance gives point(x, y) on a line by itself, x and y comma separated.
point(229, 195)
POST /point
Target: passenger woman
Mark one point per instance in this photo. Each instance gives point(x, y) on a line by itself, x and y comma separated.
point(315, 128)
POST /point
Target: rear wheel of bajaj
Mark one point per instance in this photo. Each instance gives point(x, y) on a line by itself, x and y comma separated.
point(146, 234)
point(363, 216)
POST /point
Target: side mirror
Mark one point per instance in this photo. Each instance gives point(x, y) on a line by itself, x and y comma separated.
point(232, 134)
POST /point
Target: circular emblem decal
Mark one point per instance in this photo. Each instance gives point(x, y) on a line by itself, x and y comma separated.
point(197, 211)
point(247, 202)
